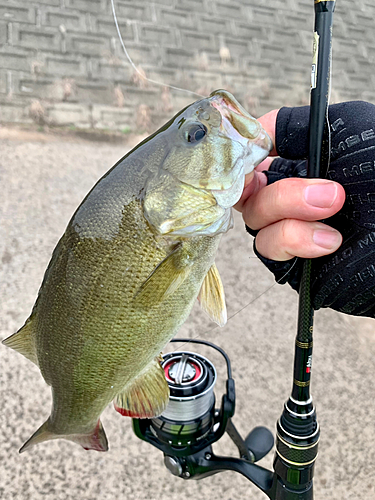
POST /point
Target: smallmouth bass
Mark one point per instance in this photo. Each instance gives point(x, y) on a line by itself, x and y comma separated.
point(136, 254)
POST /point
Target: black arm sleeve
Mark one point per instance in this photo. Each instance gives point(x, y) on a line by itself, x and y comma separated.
point(347, 120)
point(344, 280)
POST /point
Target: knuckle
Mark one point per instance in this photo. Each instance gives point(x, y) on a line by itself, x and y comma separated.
point(280, 189)
point(290, 232)
point(287, 191)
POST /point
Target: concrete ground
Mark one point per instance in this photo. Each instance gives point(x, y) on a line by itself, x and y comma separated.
point(42, 181)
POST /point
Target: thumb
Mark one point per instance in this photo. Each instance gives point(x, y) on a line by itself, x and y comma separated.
point(268, 122)
point(254, 182)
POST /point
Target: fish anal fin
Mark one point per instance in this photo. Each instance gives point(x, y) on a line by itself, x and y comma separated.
point(23, 342)
point(212, 298)
point(165, 279)
point(96, 440)
point(147, 396)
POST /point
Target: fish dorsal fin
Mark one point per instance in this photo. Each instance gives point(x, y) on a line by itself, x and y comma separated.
point(211, 297)
point(166, 278)
point(147, 396)
point(23, 342)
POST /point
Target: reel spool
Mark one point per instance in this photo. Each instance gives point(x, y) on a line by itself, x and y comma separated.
point(189, 416)
point(189, 426)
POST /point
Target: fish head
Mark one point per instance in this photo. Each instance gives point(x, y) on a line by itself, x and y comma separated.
point(210, 146)
point(218, 143)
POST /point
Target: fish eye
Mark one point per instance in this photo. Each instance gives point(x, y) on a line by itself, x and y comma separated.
point(196, 133)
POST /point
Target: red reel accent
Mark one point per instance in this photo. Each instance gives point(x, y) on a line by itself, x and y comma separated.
point(172, 362)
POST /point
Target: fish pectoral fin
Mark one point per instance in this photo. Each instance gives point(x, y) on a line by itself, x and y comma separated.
point(165, 279)
point(23, 342)
point(95, 440)
point(211, 297)
point(147, 396)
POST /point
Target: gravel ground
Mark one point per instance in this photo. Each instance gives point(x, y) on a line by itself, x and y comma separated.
point(42, 182)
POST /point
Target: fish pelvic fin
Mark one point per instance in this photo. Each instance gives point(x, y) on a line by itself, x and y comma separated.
point(147, 396)
point(166, 278)
point(96, 440)
point(23, 342)
point(212, 298)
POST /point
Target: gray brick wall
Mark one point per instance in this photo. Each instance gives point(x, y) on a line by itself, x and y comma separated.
point(61, 62)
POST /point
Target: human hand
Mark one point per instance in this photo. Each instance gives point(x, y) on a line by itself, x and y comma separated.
point(284, 214)
point(285, 223)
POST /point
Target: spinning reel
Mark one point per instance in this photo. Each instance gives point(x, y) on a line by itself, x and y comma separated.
point(190, 425)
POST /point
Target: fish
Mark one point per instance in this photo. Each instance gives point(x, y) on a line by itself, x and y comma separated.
point(136, 254)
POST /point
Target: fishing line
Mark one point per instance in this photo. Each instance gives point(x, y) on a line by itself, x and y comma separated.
point(242, 308)
point(144, 77)
point(198, 95)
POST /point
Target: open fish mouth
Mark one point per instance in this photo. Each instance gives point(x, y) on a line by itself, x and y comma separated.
point(241, 127)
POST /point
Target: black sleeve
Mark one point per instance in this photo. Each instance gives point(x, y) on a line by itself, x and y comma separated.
point(344, 280)
point(347, 120)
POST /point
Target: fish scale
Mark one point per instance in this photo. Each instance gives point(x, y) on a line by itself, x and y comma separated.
point(135, 256)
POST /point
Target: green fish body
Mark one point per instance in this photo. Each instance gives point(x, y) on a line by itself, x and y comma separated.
point(136, 254)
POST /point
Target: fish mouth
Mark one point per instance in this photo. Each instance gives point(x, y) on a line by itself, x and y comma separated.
point(241, 127)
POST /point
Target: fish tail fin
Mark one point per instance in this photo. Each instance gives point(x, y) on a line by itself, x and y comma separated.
point(96, 440)
point(42, 434)
point(23, 342)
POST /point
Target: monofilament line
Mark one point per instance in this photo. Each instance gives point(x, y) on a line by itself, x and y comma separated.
point(135, 67)
point(244, 307)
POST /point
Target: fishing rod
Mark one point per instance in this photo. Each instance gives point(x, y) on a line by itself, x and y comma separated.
point(298, 432)
point(186, 431)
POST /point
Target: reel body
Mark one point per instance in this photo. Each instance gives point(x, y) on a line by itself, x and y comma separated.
point(190, 424)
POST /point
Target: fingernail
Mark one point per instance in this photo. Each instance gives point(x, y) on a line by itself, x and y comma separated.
point(329, 239)
point(321, 195)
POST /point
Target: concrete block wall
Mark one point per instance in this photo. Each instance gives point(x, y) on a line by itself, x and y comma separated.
point(61, 61)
